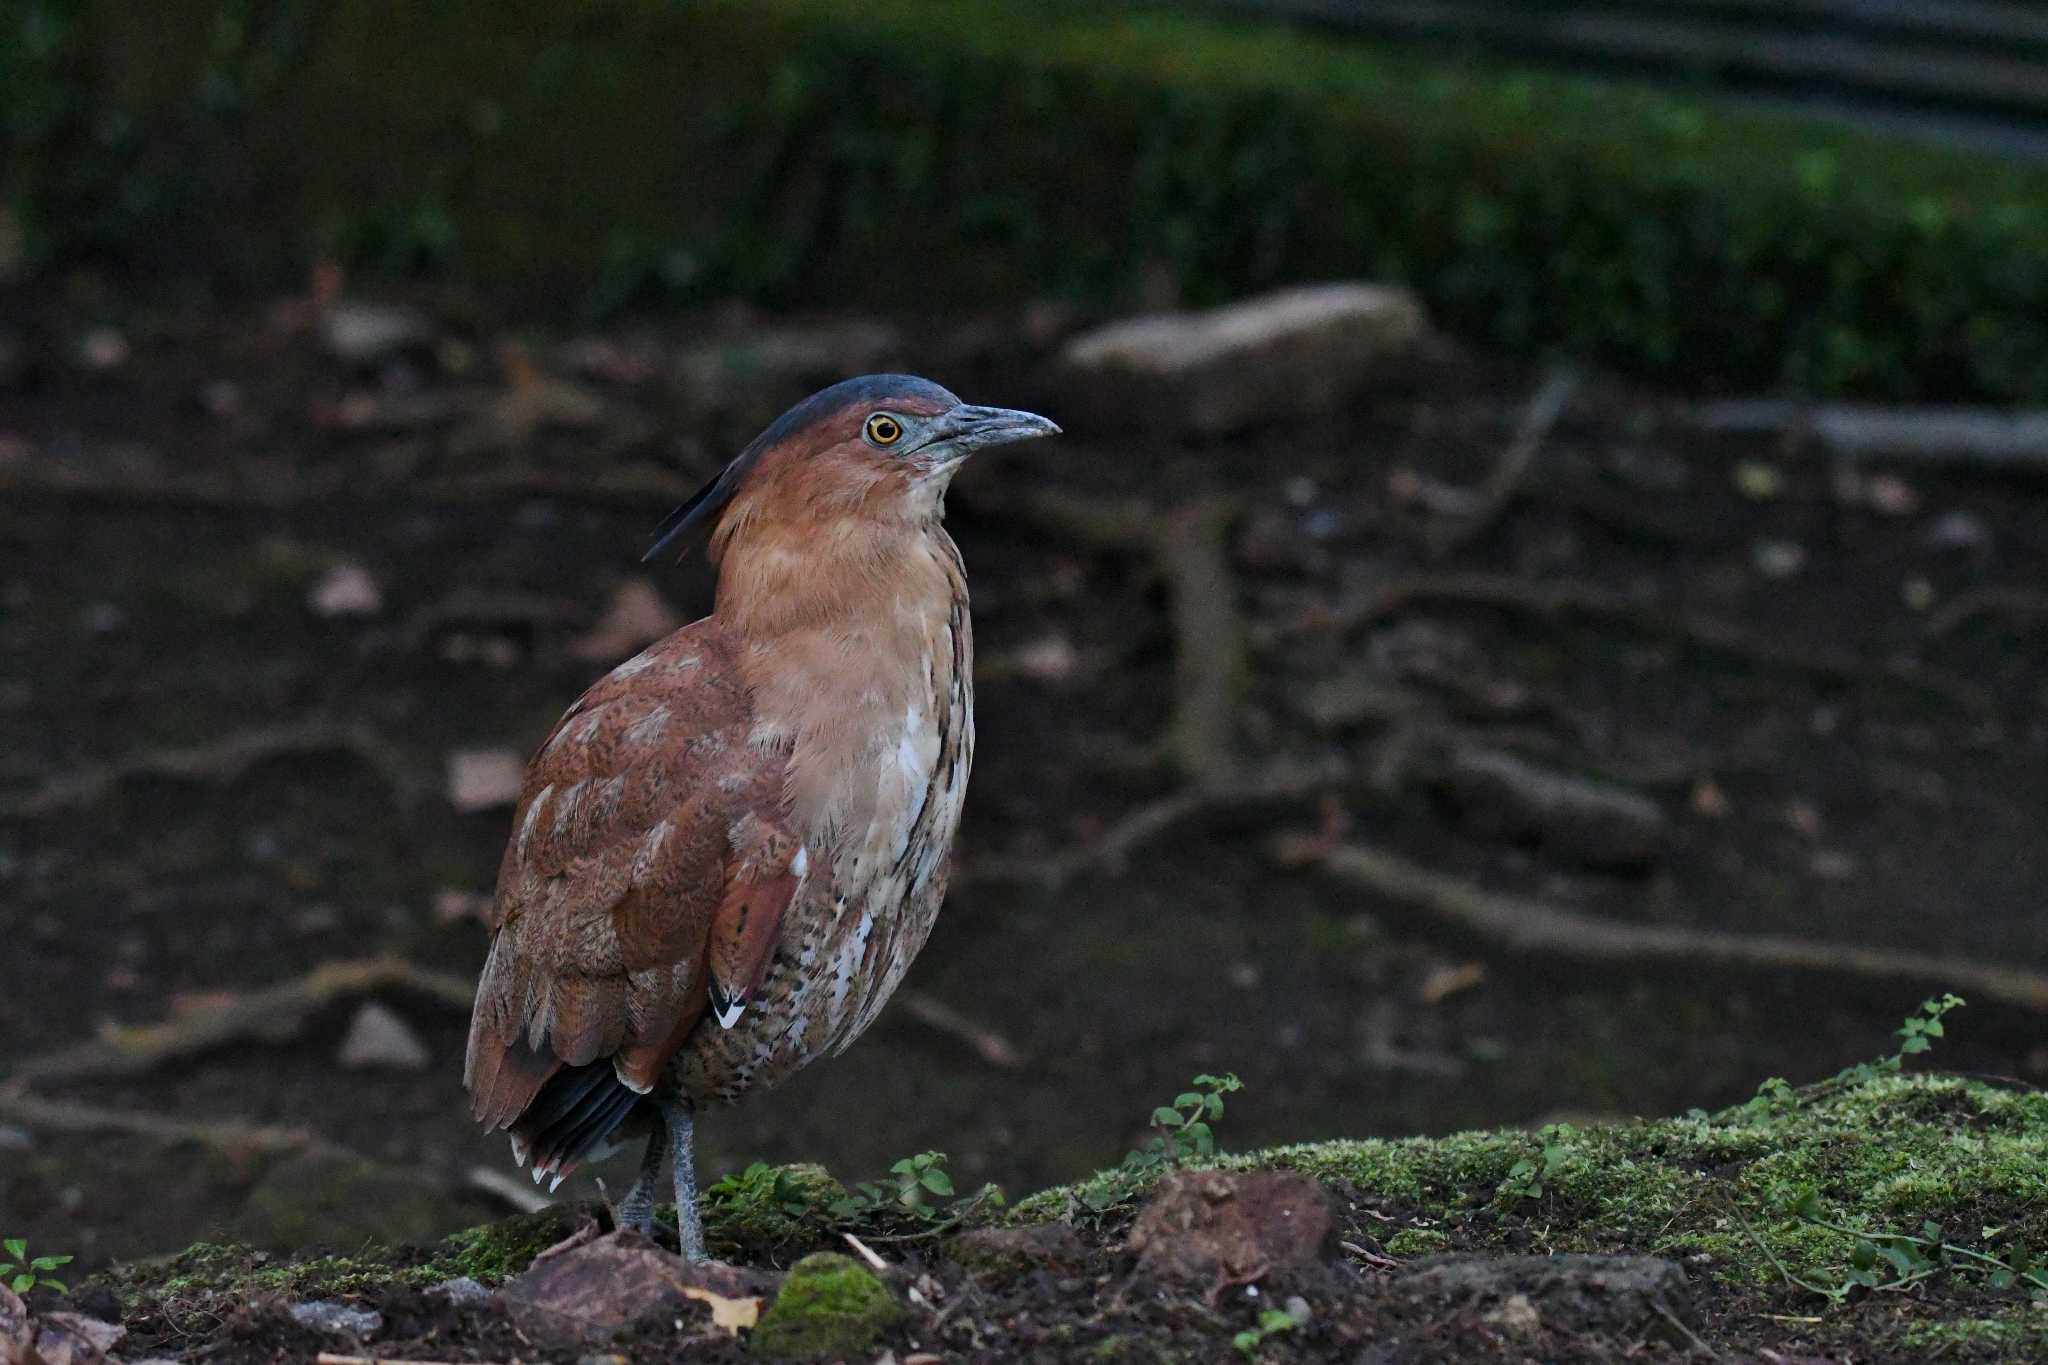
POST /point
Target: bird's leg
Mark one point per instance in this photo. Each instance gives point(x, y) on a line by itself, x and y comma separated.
point(636, 1211)
point(677, 1114)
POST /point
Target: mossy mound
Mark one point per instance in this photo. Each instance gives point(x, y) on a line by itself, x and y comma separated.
point(830, 1306)
point(1793, 1218)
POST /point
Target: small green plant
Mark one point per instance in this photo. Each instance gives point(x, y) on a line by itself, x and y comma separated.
point(1525, 1178)
point(1889, 1262)
point(30, 1272)
point(914, 1182)
point(1776, 1097)
point(1272, 1322)
point(1183, 1129)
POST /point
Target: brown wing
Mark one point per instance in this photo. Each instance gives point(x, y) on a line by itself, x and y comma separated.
point(646, 822)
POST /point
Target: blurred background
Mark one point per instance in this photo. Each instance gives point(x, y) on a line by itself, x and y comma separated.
point(1587, 654)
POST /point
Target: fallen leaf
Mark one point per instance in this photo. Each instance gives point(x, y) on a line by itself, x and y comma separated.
point(734, 1315)
point(1445, 979)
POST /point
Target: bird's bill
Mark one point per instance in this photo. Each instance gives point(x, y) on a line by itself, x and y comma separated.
point(959, 432)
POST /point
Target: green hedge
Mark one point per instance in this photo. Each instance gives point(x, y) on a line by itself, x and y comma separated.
point(955, 151)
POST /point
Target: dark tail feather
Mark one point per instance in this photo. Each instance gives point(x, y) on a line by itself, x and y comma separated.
point(576, 1110)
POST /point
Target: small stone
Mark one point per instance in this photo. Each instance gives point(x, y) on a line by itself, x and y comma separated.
point(461, 1291)
point(340, 1319)
point(1008, 1251)
point(1295, 353)
point(104, 618)
point(1957, 530)
point(378, 1038)
point(103, 349)
point(346, 590)
point(367, 334)
point(13, 1139)
point(484, 779)
point(1050, 658)
point(1891, 496)
point(1834, 864)
point(1777, 559)
point(1207, 1226)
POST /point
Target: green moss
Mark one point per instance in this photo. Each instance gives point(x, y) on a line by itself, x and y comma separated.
point(495, 1252)
point(830, 1305)
point(2020, 1334)
point(764, 1213)
point(1410, 1242)
point(632, 146)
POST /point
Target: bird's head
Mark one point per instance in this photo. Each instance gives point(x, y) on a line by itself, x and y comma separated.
point(877, 450)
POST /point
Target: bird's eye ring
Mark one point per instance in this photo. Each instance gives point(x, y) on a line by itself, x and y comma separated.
point(883, 430)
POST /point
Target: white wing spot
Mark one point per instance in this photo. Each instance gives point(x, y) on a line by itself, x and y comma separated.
point(540, 798)
point(639, 663)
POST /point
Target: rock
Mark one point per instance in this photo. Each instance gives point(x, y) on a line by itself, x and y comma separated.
point(582, 1296)
point(368, 334)
point(462, 1291)
point(637, 616)
point(338, 1319)
point(1014, 1250)
point(346, 590)
point(331, 1199)
point(829, 1306)
point(17, 1333)
point(378, 1037)
point(1297, 353)
point(1595, 822)
point(1622, 1295)
point(103, 349)
point(484, 779)
point(1232, 1226)
point(75, 1339)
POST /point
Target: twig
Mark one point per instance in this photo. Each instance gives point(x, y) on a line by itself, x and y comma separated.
point(1568, 599)
point(224, 760)
point(934, 1013)
point(2000, 600)
point(1529, 929)
point(1539, 418)
point(274, 1014)
point(867, 1253)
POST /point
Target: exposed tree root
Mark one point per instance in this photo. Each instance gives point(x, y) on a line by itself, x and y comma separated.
point(1567, 599)
point(936, 1014)
point(1539, 418)
point(273, 1015)
point(1530, 929)
point(1188, 546)
point(224, 1135)
point(223, 760)
point(1965, 438)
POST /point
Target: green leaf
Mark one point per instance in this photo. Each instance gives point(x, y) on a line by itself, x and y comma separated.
point(1864, 1255)
point(1276, 1320)
point(1187, 1099)
point(16, 1247)
point(48, 1262)
point(6, 1270)
point(937, 1181)
point(24, 1282)
point(1162, 1117)
point(59, 1286)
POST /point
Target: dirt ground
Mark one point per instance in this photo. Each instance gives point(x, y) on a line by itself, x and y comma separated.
point(178, 489)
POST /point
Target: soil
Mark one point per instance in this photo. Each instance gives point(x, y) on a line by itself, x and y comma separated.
point(166, 512)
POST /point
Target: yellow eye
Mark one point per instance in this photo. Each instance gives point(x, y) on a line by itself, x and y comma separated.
point(884, 430)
